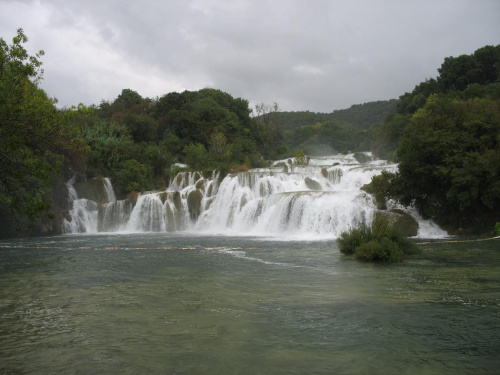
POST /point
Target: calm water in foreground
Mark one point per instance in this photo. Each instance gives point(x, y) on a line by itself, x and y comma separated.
point(191, 304)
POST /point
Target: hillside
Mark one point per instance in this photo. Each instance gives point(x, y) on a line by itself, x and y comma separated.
point(360, 116)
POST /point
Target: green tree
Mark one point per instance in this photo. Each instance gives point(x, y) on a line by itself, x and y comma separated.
point(109, 145)
point(267, 127)
point(450, 162)
point(34, 136)
point(133, 176)
point(196, 156)
point(142, 127)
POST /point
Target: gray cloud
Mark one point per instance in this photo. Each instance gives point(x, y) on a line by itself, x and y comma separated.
point(306, 55)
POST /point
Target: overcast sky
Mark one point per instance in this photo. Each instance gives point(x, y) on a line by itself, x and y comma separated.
point(316, 55)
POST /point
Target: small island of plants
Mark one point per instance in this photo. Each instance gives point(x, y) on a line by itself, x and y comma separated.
point(380, 242)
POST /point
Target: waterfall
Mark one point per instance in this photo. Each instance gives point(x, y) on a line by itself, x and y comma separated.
point(83, 212)
point(109, 190)
point(318, 200)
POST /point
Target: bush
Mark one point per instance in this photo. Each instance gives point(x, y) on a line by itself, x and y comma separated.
point(380, 243)
point(133, 176)
point(352, 239)
point(300, 158)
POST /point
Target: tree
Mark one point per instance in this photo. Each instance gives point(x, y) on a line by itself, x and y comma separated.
point(142, 127)
point(128, 99)
point(267, 127)
point(196, 156)
point(34, 136)
point(133, 176)
point(109, 145)
point(450, 162)
point(218, 143)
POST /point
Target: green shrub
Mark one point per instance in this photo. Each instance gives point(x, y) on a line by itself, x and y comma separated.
point(381, 242)
point(352, 239)
point(497, 229)
point(300, 158)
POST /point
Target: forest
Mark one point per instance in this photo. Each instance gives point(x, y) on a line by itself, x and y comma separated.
point(445, 135)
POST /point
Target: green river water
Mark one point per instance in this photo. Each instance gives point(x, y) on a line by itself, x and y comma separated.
point(194, 304)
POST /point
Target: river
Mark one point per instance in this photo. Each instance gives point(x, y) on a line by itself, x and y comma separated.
point(189, 303)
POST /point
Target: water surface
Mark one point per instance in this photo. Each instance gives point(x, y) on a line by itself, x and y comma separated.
point(194, 304)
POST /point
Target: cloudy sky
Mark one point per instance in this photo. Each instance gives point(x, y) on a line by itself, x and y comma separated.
point(317, 55)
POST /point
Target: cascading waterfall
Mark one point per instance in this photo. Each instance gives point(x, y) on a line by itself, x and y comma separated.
point(83, 212)
point(321, 199)
point(109, 190)
point(318, 200)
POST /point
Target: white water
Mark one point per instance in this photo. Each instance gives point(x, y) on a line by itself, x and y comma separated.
point(319, 200)
point(83, 212)
point(109, 190)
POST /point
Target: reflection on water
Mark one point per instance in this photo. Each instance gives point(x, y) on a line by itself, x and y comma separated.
point(191, 304)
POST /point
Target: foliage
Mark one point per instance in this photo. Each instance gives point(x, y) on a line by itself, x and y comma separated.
point(350, 240)
point(133, 176)
point(497, 229)
point(35, 138)
point(300, 158)
point(359, 116)
point(207, 129)
point(267, 128)
point(450, 162)
point(109, 145)
point(196, 156)
point(380, 243)
point(142, 127)
point(380, 187)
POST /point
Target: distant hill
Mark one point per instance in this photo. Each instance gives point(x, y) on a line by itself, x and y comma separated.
point(360, 116)
point(364, 116)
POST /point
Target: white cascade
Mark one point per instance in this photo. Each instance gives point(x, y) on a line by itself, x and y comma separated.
point(109, 190)
point(319, 200)
point(169, 210)
point(83, 212)
point(114, 216)
point(314, 201)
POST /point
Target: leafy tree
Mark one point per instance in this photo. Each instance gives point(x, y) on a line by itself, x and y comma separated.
point(128, 99)
point(450, 162)
point(109, 145)
point(133, 176)
point(142, 127)
point(35, 137)
point(218, 143)
point(267, 128)
point(196, 156)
